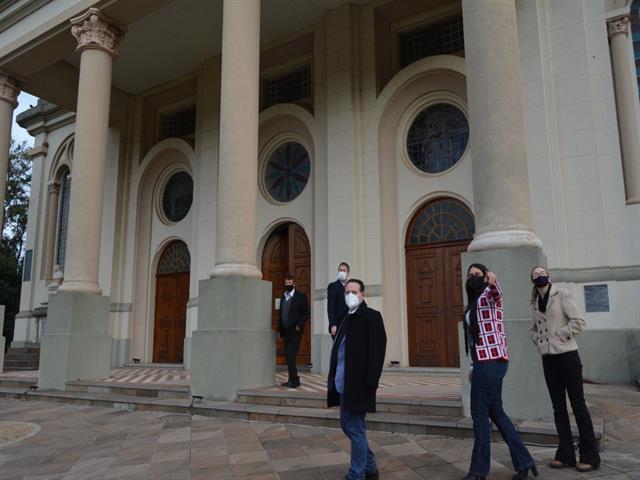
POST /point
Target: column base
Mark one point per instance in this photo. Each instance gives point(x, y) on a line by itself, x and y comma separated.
point(77, 344)
point(321, 352)
point(236, 270)
point(504, 239)
point(234, 346)
point(524, 390)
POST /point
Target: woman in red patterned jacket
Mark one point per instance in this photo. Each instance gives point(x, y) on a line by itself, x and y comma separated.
point(486, 341)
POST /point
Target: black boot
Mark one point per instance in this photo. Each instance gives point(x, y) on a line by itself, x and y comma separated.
point(524, 474)
point(471, 476)
point(294, 383)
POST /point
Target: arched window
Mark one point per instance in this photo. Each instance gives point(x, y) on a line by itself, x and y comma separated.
point(443, 220)
point(63, 217)
point(175, 259)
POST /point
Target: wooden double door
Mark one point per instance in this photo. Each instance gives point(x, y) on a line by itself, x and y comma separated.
point(172, 296)
point(434, 304)
point(286, 251)
point(438, 233)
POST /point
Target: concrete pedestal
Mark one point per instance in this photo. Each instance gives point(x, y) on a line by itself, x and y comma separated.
point(524, 391)
point(2, 339)
point(77, 344)
point(234, 346)
point(321, 352)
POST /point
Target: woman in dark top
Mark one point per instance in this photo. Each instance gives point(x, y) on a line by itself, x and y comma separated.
point(486, 341)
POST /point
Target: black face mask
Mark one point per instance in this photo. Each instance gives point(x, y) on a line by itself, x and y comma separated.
point(288, 288)
point(541, 281)
point(476, 283)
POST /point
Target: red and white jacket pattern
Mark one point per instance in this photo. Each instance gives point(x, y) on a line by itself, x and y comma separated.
point(492, 341)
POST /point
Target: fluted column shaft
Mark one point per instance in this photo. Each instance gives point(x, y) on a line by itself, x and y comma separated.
point(8, 102)
point(494, 86)
point(624, 77)
point(238, 165)
point(97, 38)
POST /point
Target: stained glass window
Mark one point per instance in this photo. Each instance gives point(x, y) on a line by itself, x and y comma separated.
point(437, 138)
point(177, 196)
point(634, 19)
point(287, 172)
point(443, 220)
point(63, 218)
point(175, 259)
point(444, 37)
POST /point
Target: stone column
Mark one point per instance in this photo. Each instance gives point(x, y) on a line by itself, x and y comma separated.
point(624, 76)
point(504, 239)
point(9, 91)
point(233, 346)
point(237, 164)
point(77, 343)
point(53, 197)
point(8, 102)
point(97, 38)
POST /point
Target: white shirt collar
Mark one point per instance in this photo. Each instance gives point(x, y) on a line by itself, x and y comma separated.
point(288, 295)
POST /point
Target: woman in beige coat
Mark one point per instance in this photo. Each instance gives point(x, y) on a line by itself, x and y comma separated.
point(556, 322)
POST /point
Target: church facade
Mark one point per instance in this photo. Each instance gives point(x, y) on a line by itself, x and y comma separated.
point(189, 154)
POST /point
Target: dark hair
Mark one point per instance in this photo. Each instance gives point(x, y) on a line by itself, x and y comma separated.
point(355, 280)
point(479, 266)
point(472, 298)
point(289, 276)
point(344, 264)
point(534, 290)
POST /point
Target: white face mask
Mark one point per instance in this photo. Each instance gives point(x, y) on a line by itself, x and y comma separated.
point(351, 300)
point(342, 276)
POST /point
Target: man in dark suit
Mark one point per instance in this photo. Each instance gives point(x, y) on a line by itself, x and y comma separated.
point(336, 308)
point(357, 358)
point(294, 313)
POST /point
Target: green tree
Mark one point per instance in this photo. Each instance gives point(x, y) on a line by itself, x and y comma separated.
point(14, 228)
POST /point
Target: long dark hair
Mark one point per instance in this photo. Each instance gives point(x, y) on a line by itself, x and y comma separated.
point(472, 300)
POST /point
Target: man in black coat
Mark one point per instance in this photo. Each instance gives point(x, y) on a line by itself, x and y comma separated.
point(357, 358)
point(336, 307)
point(294, 313)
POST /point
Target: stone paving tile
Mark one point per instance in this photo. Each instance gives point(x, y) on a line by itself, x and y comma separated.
point(89, 443)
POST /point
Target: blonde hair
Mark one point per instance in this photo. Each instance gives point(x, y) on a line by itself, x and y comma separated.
point(534, 290)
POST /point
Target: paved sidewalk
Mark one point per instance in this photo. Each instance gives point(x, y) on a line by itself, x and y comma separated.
point(97, 443)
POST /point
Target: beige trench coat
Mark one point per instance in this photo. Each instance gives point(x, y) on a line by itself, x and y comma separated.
point(554, 331)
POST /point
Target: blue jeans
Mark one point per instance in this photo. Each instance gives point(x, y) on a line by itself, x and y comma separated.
point(486, 403)
point(362, 459)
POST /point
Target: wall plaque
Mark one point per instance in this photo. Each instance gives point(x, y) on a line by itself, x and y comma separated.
point(596, 298)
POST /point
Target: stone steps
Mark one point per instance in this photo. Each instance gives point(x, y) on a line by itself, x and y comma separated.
point(413, 406)
point(24, 358)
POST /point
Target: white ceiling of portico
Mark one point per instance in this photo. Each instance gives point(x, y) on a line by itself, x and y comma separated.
point(174, 40)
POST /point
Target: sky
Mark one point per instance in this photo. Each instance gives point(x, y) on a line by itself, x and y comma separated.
point(19, 134)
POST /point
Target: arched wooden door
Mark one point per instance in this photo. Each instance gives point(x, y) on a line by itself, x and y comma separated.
point(439, 232)
point(287, 251)
point(172, 295)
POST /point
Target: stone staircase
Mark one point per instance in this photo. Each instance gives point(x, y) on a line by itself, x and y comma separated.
point(399, 415)
point(26, 358)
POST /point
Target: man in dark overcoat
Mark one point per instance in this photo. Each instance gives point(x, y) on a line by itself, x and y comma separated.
point(357, 358)
point(336, 307)
point(294, 313)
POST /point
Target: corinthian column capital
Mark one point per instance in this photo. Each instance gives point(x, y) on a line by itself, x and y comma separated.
point(619, 24)
point(9, 90)
point(95, 30)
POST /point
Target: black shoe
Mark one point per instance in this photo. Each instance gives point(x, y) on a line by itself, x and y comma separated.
point(471, 476)
point(286, 384)
point(295, 383)
point(524, 474)
point(372, 476)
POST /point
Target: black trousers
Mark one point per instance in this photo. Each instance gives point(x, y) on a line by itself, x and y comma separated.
point(563, 374)
point(292, 340)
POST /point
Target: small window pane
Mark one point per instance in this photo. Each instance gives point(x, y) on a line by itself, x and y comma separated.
point(287, 172)
point(26, 268)
point(178, 196)
point(288, 88)
point(437, 138)
point(178, 124)
point(175, 259)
